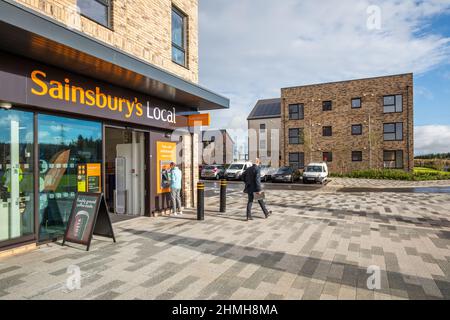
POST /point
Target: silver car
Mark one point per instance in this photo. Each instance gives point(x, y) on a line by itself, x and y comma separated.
point(213, 172)
point(267, 172)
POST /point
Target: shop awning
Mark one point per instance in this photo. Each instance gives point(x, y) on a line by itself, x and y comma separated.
point(27, 33)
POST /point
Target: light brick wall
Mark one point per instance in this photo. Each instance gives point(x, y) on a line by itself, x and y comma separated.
point(141, 28)
point(189, 167)
point(272, 156)
point(342, 117)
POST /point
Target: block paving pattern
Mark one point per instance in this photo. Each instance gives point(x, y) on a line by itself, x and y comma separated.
point(374, 183)
point(314, 246)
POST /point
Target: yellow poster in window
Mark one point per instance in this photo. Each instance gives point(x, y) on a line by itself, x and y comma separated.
point(94, 181)
point(81, 178)
point(166, 152)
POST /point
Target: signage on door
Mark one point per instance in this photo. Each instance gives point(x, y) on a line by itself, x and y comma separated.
point(93, 172)
point(166, 152)
point(89, 178)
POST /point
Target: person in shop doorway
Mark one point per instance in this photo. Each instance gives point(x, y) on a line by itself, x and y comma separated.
point(175, 188)
point(252, 179)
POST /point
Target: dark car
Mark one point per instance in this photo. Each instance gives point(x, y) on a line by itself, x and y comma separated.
point(213, 172)
point(284, 174)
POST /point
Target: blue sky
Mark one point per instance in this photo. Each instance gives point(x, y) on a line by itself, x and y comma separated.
point(249, 49)
point(432, 95)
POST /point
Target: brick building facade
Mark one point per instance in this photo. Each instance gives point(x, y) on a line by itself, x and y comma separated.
point(352, 125)
point(141, 28)
point(264, 123)
point(104, 91)
point(217, 147)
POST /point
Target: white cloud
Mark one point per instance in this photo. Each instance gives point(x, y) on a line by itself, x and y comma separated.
point(249, 49)
point(432, 139)
point(424, 92)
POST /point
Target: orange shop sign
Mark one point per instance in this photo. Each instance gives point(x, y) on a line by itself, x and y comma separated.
point(96, 98)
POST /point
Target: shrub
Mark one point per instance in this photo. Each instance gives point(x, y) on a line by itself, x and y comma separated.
point(419, 174)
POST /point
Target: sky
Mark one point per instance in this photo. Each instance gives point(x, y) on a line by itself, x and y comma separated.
point(250, 49)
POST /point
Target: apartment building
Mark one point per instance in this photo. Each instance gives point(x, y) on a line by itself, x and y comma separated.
point(264, 124)
point(351, 125)
point(217, 147)
point(96, 96)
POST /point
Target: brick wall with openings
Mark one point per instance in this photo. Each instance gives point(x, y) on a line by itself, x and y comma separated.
point(342, 116)
point(141, 28)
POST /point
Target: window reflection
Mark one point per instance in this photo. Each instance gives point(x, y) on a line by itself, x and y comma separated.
point(16, 174)
point(66, 147)
point(97, 10)
point(178, 37)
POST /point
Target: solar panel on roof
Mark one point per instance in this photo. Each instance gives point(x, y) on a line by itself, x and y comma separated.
point(267, 109)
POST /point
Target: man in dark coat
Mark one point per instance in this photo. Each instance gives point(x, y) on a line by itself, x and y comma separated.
point(252, 179)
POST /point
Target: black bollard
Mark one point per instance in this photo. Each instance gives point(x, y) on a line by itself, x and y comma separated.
point(223, 196)
point(200, 201)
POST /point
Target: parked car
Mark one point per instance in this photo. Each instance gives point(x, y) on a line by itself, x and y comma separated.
point(213, 172)
point(267, 172)
point(236, 169)
point(315, 172)
point(284, 174)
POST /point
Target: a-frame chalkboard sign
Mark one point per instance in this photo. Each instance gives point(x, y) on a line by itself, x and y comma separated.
point(89, 216)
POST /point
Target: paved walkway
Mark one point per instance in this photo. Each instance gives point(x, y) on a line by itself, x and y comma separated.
point(375, 183)
point(314, 246)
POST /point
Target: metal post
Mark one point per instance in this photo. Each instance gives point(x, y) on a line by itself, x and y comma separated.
point(223, 196)
point(200, 201)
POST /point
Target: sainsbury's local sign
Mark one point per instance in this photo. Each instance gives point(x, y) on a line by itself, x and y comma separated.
point(95, 98)
point(25, 82)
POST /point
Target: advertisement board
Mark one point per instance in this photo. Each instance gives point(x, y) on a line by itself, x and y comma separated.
point(89, 216)
point(166, 152)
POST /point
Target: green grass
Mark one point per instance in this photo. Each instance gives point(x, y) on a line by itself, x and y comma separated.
point(419, 174)
point(420, 170)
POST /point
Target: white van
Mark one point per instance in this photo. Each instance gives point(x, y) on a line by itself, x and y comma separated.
point(236, 169)
point(315, 172)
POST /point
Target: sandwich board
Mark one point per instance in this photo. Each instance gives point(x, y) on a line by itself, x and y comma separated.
point(89, 216)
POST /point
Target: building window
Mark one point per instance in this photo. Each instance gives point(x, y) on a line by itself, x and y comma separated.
point(66, 146)
point(327, 157)
point(262, 144)
point(356, 103)
point(393, 131)
point(17, 175)
point(178, 37)
point(393, 104)
point(327, 106)
point(262, 137)
point(393, 159)
point(327, 131)
point(96, 10)
point(295, 136)
point(296, 112)
point(297, 160)
point(357, 156)
point(357, 129)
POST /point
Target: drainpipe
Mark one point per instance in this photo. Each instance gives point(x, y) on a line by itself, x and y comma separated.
point(407, 126)
point(370, 142)
point(310, 141)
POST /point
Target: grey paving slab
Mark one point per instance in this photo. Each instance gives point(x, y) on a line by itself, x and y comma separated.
point(314, 246)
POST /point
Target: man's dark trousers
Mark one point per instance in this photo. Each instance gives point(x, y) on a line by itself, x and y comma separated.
point(252, 178)
point(251, 198)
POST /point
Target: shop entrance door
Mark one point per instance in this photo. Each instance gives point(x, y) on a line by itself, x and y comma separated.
point(17, 219)
point(126, 171)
